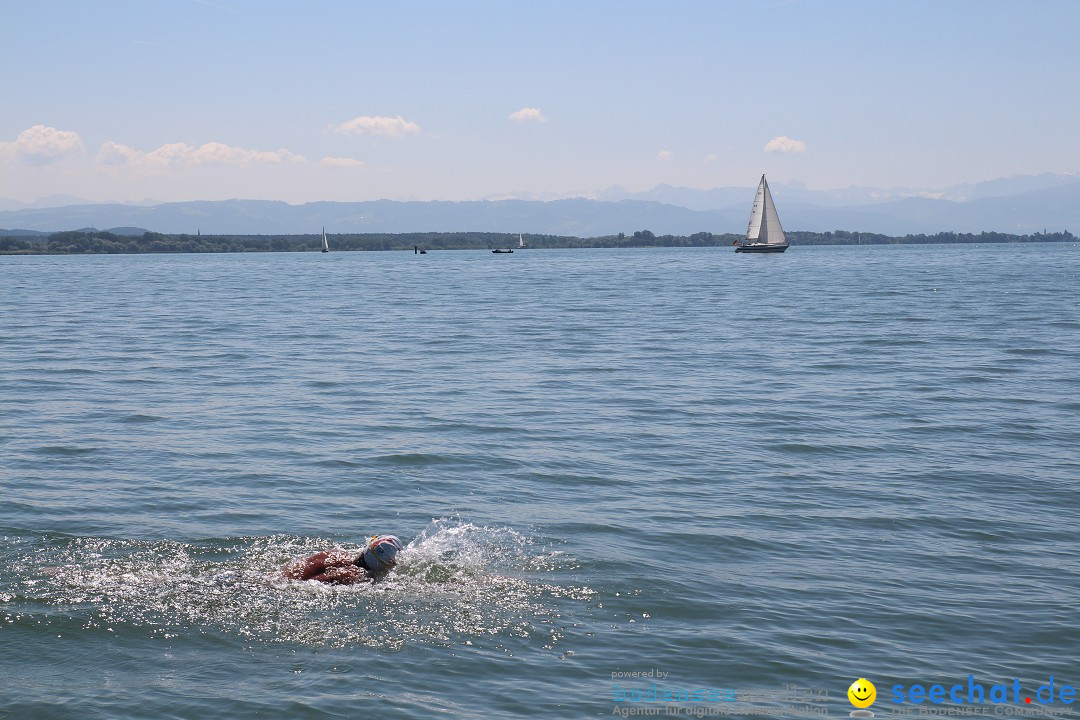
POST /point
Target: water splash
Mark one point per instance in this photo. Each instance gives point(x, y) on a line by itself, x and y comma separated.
point(455, 582)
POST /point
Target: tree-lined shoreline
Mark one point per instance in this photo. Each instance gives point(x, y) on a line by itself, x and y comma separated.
point(95, 242)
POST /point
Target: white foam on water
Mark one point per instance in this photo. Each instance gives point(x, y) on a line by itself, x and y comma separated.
point(454, 583)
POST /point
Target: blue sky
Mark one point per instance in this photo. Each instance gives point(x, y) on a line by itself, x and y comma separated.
point(201, 99)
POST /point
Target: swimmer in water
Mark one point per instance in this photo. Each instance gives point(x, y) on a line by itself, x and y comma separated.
point(340, 567)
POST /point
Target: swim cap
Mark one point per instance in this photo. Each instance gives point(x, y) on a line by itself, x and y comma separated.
point(381, 552)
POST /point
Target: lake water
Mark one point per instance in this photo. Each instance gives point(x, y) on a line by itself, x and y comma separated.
point(750, 473)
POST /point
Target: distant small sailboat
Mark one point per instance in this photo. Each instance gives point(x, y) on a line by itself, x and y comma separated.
point(764, 233)
point(325, 245)
point(521, 241)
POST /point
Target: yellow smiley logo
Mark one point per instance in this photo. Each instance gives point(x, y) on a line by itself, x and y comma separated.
point(862, 693)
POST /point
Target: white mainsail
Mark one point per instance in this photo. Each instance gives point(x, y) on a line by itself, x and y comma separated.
point(521, 242)
point(325, 245)
point(764, 222)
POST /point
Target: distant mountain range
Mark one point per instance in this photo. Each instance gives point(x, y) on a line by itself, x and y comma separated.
point(1023, 204)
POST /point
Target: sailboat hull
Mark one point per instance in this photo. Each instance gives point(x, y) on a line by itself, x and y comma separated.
point(761, 248)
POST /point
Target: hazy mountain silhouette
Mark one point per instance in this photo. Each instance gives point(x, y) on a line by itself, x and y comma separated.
point(1014, 205)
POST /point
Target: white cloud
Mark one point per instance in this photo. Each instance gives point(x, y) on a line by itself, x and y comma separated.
point(42, 145)
point(340, 162)
point(664, 154)
point(528, 114)
point(214, 152)
point(784, 144)
point(369, 125)
point(165, 157)
point(710, 158)
point(116, 154)
point(182, 155)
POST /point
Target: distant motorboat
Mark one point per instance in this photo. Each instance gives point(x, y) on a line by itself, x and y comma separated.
point(502, 251)
point(764, 234)
point(325, 245)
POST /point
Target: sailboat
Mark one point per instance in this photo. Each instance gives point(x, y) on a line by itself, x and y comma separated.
point(521, 241)
point(764, 234)
point(325, 245)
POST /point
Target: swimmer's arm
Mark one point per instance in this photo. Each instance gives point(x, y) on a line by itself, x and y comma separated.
point(340, 558)
point(319, 564)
